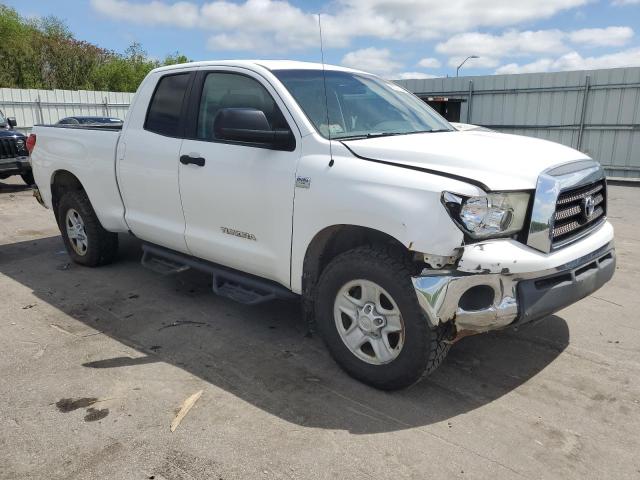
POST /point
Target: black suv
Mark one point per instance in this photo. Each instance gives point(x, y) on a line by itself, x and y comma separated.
point(14, 157)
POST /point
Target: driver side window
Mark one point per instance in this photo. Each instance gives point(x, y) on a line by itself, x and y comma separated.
point(231, 90)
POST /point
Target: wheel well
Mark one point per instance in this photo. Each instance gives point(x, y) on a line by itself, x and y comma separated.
point(62, 181)
point(331, 242)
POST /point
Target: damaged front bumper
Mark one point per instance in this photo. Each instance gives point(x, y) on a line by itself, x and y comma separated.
point(440, 298)
point(485, 293)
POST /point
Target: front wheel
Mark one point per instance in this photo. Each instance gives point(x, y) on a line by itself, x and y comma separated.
point(86, 240)
point(368, 315)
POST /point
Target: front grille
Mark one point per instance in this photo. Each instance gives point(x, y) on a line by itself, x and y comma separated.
point(577, 211)
point(8, 148)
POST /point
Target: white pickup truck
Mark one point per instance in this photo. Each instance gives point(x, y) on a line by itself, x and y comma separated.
point(284, 179)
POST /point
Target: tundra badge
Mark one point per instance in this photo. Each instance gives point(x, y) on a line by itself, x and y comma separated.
point(303, 182)
point(238, 233)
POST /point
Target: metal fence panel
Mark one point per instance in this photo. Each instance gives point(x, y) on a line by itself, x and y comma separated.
point(31, 106)
point(595, 111)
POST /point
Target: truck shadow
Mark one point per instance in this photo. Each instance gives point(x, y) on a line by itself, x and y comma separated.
point(263, 355)
point(6, 187)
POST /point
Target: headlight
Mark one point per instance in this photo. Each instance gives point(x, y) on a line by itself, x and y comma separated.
point(491, 215)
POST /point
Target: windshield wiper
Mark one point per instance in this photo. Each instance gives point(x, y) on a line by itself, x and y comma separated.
point(368, 135)
point(435, 130)
point(389, 134)
point(382, 134)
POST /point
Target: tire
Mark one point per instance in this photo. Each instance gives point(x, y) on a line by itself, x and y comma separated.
point(418, 350)
point(28, 178)
point(99, 246)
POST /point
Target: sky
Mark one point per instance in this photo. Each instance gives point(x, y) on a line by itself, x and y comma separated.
point(393, 38)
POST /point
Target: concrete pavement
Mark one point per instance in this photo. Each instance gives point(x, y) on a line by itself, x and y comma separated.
point(96, 362)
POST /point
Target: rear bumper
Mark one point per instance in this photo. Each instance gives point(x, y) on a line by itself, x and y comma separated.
point(486, 301)
point(15, 166)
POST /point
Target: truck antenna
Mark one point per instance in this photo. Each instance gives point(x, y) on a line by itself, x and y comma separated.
point(326, 98)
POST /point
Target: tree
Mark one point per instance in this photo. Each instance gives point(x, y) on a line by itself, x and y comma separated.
point(174, 59)
point(15, 51)
point(43, 53)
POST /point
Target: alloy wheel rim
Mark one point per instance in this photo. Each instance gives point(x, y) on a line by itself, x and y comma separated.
point(369, 322)
point(76, 232)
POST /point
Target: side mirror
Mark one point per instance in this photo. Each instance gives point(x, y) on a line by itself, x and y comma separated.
point(12, 122)
point(250, 125)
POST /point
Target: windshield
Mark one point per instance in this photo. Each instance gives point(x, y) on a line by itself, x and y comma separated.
point(359, 105)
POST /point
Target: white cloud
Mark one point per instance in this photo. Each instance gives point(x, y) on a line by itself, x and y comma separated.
point(180, 14)
point(239, 25)
point(380, 61)
point(542, 65)
point(575, 61)
point(512, 43)
point(226, 41)
point(284, 24)
point(492, 47)
point(250, 25)
point(268, 26)
point(602, 37)
point(410, 75)
point(429, 63)
point(374, 60)
point(433, 18)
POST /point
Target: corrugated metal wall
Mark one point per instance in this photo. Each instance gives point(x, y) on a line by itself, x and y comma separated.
point(31, 107)
point(596, 111)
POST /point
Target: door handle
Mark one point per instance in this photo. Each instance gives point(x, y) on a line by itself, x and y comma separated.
point(188, 159)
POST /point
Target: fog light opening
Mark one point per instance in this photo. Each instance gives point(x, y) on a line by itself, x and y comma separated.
point(476, 298)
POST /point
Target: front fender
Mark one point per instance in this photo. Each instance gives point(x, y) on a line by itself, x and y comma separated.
point(396, 201)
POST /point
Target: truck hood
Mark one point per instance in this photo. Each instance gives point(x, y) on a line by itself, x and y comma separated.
point(495, 160)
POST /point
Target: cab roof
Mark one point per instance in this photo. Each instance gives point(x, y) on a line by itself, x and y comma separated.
point(253, 64)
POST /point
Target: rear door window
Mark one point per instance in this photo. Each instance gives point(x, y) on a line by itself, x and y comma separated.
point(163, 116)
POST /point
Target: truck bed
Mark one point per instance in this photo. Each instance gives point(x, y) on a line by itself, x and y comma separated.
point(115, 128)
point(90, 153)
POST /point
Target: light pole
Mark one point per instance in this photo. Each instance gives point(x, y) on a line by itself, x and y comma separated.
point(465, 60)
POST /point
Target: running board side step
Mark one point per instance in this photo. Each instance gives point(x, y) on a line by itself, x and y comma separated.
point(161, 265)
point(241, 287)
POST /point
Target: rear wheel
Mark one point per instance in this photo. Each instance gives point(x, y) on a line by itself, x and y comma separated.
point(368, 314)
point(87, 242)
